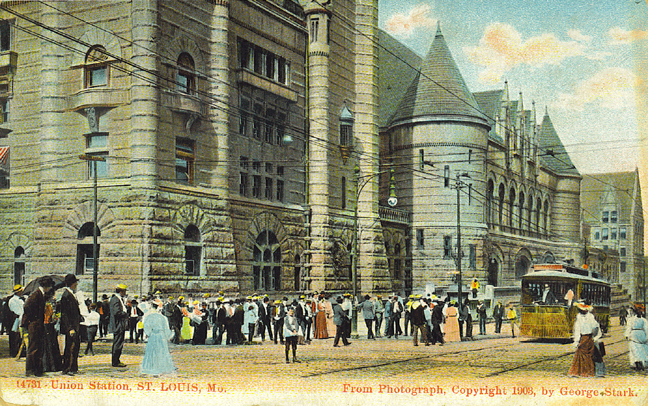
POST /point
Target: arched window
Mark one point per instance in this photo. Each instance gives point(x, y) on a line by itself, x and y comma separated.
point(344, 192)
point(19, 265)
point(520, 211)
point(398, 261)
point(545, 218)
point(511, 210)
point(529, 214)
point(500, 213)
point(297, 274)
point(96, 67)
point(521, 266)
point(193, 250)
point(537, 214)
point(85, 247)
point(489, 202)
point(186, 77)
point(266, 266)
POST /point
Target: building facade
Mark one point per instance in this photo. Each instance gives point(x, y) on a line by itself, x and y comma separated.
point(479, 166)
point(264, 146)
point(613, 223)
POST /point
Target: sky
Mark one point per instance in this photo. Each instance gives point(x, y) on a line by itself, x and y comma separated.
point(579, 60)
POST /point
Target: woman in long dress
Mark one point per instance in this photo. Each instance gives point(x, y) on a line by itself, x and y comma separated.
point(637, 335)
point(330, 325)
point(157, 358)
point(586, 332)
point(321, 330)
point(452, 324)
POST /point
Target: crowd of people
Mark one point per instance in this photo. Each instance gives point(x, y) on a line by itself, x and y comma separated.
point(35, 321)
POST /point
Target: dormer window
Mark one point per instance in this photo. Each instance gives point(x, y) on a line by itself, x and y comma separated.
point(96, 67)
point(186, 78)
point(346, 128)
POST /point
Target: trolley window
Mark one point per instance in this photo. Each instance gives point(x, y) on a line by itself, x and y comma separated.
point(597, 295)
point(546, 292)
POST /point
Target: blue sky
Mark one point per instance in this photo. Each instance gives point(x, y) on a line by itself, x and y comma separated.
point(585, 61)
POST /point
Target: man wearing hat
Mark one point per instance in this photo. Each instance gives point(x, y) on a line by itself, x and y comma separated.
point(118, 323)
point(369, 313)
point(104, 316)
point(16, 305)
point(279, 313)
point(340, 318)
point(34, 320)
point(70, 325)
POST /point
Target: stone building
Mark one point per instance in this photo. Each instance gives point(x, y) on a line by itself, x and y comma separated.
point(613, 227)
point(516, 188)
point(263, 146)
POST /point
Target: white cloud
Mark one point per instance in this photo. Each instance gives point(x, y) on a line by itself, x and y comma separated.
point(620, 36)
point(404, 25)
point(611, 88)
point(576, 35)
point(501, 48)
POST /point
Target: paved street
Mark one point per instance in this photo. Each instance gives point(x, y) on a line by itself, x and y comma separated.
point(493, 362)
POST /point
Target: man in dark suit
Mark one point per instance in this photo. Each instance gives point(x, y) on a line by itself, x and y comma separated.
point(340, 318)
point(118, 323)
point(104, 316)
point(70, 325)
point(134, 315)
point(264, 317)
point(278, 314)
point(34, 320)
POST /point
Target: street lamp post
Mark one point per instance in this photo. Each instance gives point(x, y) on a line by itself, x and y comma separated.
point(354, 248)
point(95, 254)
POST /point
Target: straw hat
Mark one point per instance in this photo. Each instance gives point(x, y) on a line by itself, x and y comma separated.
point(583, 306)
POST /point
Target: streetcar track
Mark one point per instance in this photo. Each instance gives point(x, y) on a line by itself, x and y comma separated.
point(382, 364)
point(451, 353)
point(553, 357)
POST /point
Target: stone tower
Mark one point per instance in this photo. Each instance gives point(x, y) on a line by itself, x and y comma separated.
point(440, 134)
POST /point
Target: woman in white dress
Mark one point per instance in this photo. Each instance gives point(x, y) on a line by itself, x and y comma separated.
point(157, 358)
point(637, 335)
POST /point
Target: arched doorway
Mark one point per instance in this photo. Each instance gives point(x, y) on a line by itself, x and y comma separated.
point(193, 250)
point(522, 265)
point(85, 255)
point(493, 270)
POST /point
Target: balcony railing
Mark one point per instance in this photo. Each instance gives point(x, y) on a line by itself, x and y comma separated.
point(394, 215)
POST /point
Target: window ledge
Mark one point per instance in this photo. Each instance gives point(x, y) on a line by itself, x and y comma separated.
point(267, 84)
point(183, 102)
point(97, 97)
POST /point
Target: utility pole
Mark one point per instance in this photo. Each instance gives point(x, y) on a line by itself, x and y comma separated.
point(459, 185)
point(95, 252)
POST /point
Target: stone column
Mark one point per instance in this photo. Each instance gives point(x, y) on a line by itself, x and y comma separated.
point(319, 138)
point(219, 88)
point(373, 271)
point(52, 104)
point(144, 94)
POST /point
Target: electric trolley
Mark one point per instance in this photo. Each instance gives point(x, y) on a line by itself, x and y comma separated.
point(549, 294)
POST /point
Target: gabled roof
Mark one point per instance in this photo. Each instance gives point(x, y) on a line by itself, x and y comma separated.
point(617, 187)
point(439, 90)
point(398, 67)
point(551, 151)
point(490, 103)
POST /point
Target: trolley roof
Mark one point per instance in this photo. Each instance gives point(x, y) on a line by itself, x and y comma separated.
point(543, 271)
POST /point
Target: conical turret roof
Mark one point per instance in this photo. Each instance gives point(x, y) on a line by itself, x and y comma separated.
point(439, 90)
point(552, 151)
